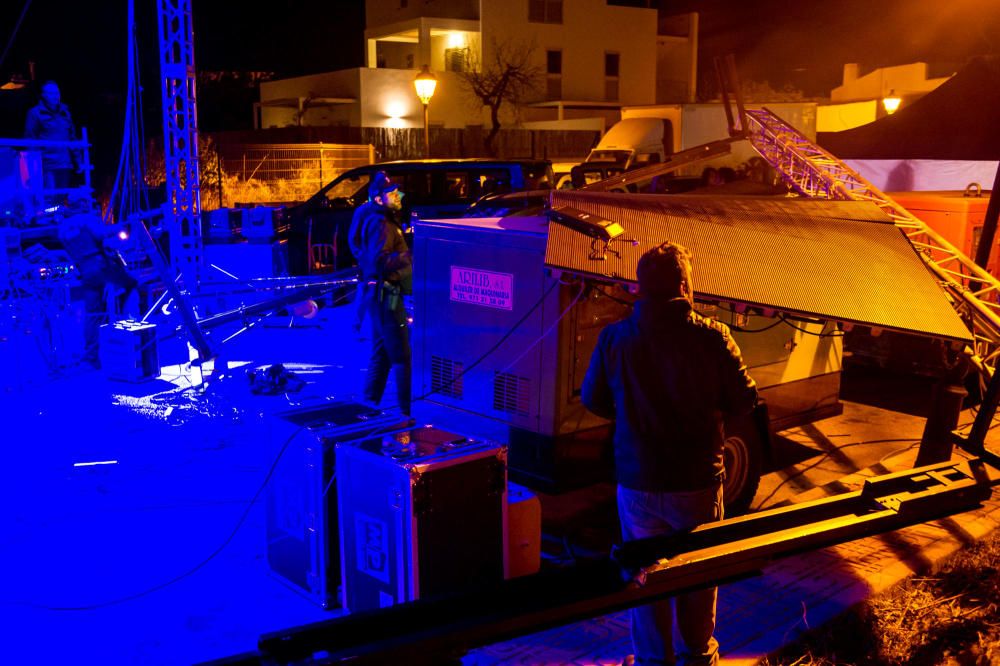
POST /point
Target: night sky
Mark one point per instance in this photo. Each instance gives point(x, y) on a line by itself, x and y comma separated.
point(82, 45)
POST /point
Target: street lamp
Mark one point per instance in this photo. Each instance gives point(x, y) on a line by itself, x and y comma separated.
point(425, 84)
point(891, 102)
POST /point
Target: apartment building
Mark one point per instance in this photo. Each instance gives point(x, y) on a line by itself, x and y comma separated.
point(591, 56)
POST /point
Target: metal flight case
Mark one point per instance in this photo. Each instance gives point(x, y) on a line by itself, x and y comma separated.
point(422, 514)
point(303, 546)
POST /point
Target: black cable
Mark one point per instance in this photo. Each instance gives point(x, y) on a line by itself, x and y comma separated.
point(492, 349)
point(620, 301)
point(827, 454)
point(546, 332)
point(198, 566)
point(831, 334)
point(781, 319)
point(755, 330)
point(13, 34)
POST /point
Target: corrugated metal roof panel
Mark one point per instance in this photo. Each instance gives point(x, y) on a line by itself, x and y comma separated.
point(838, 260)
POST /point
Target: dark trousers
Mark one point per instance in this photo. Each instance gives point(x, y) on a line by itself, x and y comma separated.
point(97, 274)
point(57, 179)
point(390, 346)
point(648, 514)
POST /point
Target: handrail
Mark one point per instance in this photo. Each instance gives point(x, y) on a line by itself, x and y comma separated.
point(83, 144)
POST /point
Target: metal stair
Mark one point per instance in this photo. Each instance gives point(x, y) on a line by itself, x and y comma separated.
point(813, 172)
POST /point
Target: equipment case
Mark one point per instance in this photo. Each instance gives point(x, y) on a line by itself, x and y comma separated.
point(303, 545)
point(422, 514)
point(128, 350)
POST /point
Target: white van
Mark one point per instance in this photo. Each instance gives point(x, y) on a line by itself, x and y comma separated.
point(635, 142)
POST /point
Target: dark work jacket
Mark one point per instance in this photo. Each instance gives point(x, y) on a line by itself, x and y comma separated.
point(668, 376)
point(52, 125)
point(376, 240)
point(82, 237)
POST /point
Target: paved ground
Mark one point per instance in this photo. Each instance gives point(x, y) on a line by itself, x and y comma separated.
point(159, 556)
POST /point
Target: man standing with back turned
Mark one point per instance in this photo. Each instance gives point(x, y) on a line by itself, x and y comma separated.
point(377, 241)
point(669, 376)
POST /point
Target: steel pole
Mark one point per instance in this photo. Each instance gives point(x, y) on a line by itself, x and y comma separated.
point(427, 134)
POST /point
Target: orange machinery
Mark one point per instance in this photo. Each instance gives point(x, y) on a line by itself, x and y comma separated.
point(956, 215)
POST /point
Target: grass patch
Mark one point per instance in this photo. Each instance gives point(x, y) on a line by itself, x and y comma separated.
point(950, 617)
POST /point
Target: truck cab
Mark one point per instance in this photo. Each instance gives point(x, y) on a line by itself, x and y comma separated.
point(635, 142)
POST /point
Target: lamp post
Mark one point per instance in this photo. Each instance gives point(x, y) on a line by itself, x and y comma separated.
point(891, 102)
point(425, 82)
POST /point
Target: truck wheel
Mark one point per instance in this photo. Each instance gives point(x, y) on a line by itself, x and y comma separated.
point(742, 453)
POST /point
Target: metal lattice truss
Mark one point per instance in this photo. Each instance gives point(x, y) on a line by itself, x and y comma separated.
point(813, 172)
point(180, 138)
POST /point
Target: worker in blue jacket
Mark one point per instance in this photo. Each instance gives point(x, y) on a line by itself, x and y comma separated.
point(386, 276)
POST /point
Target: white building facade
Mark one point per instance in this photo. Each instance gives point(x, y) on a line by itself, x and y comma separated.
point(591, 57)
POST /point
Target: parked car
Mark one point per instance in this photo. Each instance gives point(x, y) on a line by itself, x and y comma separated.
point(317, 229)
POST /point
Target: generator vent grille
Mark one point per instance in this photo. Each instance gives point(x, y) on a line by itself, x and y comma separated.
point(511, 393)
point(446, 377)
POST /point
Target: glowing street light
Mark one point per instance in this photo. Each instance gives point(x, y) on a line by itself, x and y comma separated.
point(891, 102)
point(425, 82)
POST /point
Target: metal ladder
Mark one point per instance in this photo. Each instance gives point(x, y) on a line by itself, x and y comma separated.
point(813, 172)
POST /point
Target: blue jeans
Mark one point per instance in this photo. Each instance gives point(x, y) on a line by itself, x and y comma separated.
point(646, 514)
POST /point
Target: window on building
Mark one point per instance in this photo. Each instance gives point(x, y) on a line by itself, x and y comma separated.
point(456, 59)
point(553, 72)
point(611, 67)
point(545, 11)
point(611, 64)
point(553, 63)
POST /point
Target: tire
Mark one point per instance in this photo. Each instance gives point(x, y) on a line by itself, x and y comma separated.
point(742, 455)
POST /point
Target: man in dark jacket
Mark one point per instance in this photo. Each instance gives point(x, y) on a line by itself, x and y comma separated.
point(50, 120)
point(386, 275)
point(668, 377)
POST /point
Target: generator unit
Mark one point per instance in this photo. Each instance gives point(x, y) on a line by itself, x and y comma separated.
point(487, 296)
point(498, 335)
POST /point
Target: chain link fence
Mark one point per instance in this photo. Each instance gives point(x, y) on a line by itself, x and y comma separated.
point(249, 174)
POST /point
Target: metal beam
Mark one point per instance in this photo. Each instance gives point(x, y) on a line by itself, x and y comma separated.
point(672, 163)
point(435, 631)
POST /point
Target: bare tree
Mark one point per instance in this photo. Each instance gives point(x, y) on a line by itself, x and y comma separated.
point(508, 77)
